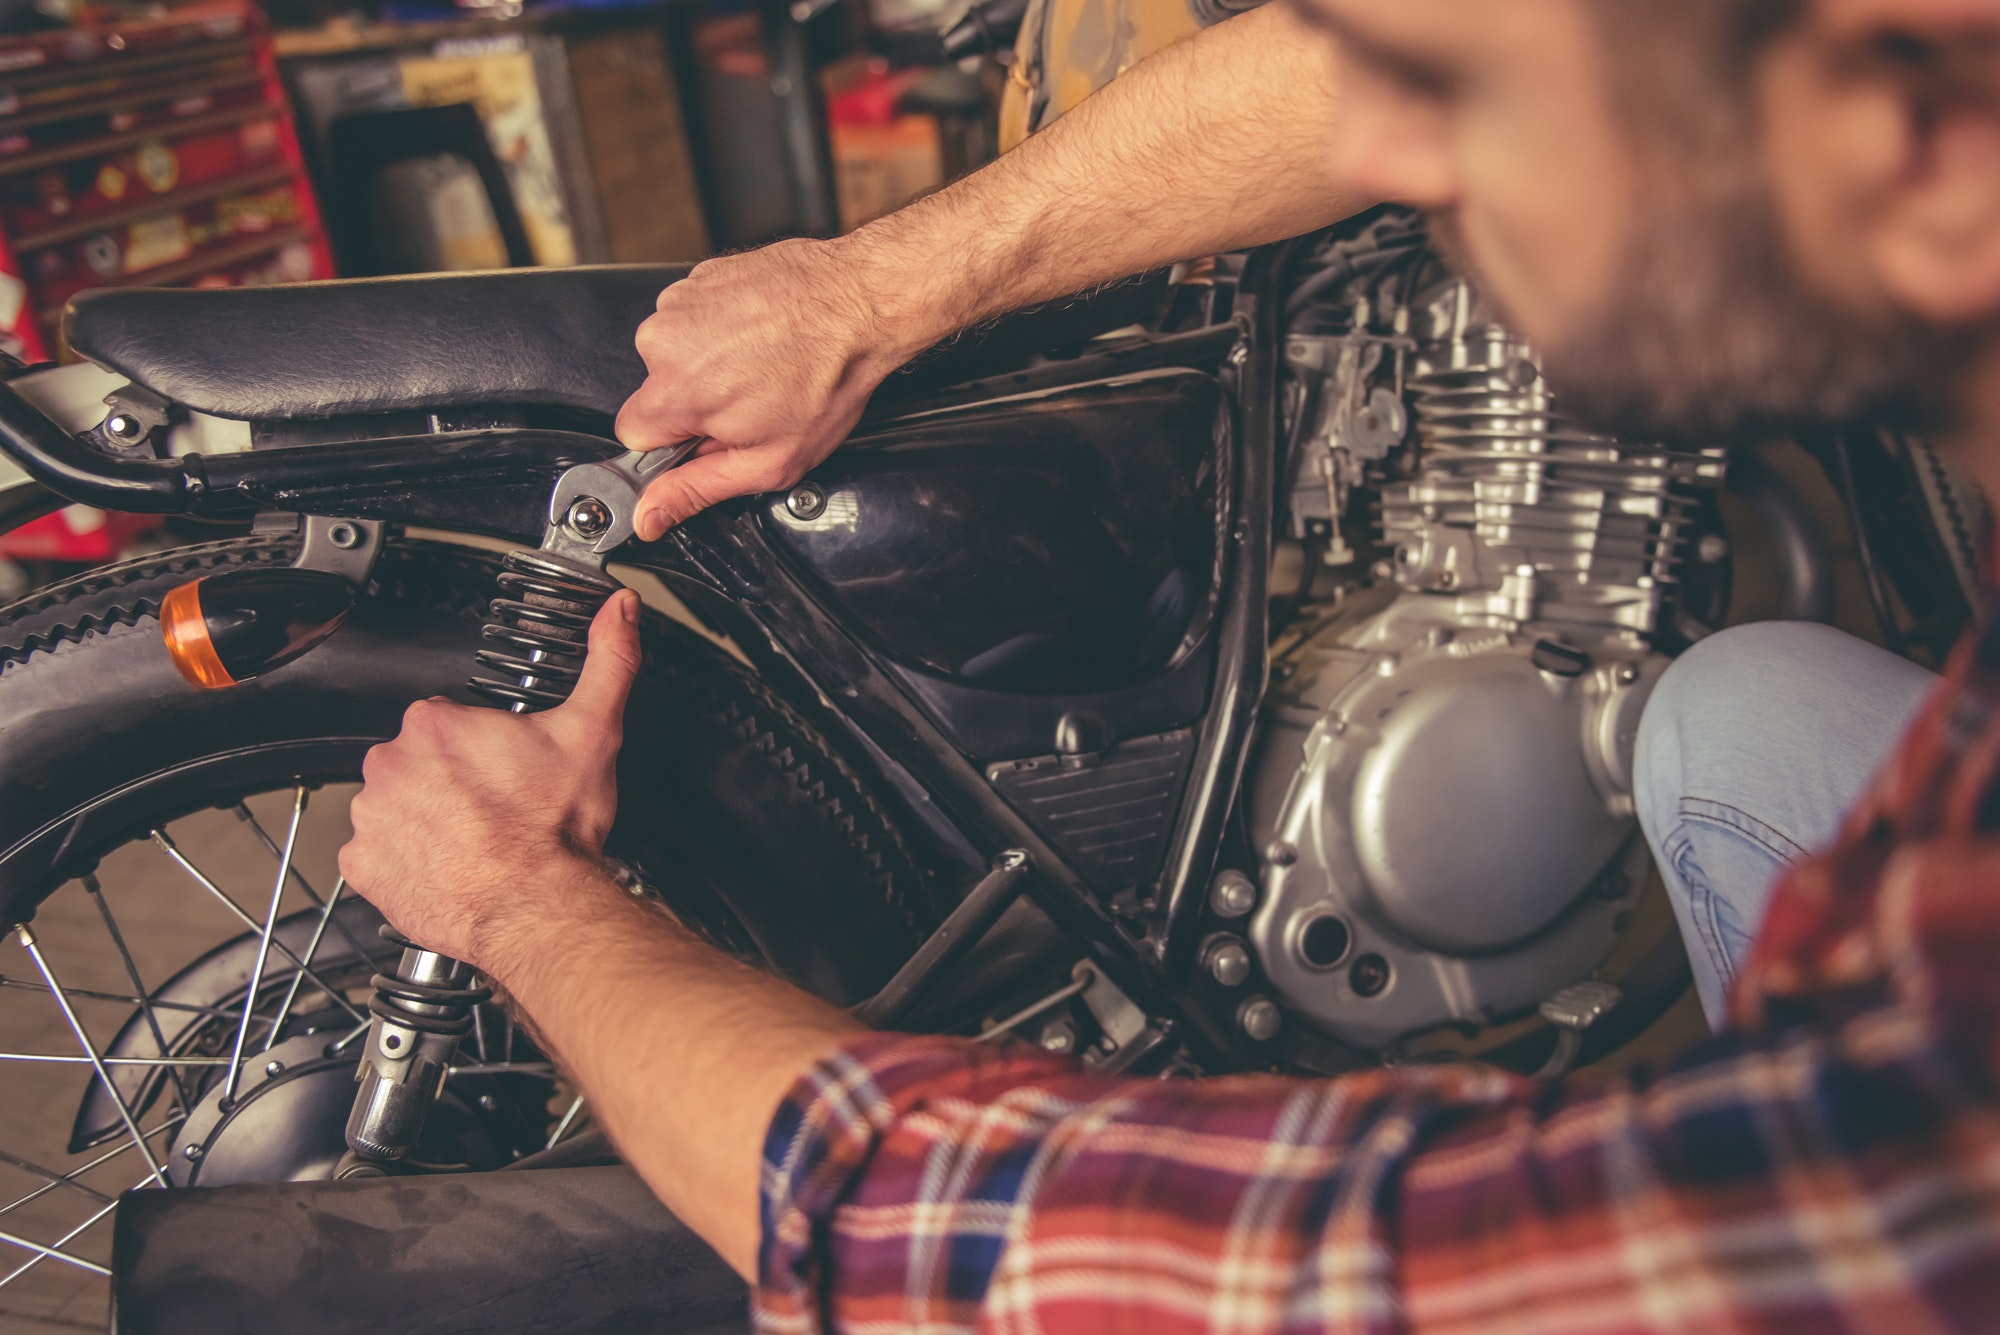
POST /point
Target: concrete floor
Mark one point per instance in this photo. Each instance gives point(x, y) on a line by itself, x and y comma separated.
point(167, 921)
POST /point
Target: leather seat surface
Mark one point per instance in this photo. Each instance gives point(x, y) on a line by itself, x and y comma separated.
point(526, 337)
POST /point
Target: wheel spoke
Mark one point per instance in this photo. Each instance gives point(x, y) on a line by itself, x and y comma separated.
point(27, 938)
point(479, 1031)
point(69, 1179)
point(503, 1068)
point(96, 891)
point(562, 1127)
point(47, 1252)
point(248, 817)
point(50, 1253)
point(30, 985)
point(235, 1075)
point(63, 1058)
point(299, 974)
point(172, 850)
point(55, 1179)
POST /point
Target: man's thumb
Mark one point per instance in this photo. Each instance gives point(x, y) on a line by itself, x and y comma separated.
point(610, 665)
point(705, 480)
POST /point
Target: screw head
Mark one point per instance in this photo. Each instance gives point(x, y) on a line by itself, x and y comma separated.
point(124, 427)
point(588, 517)
point(274, 1068)
point(1712, 548)
point(1233, 894)
point(1369, 975)
point(806, 501)
point(1058, 1037)
point(344, 536)
point(1627, 673)
point(489, 1103)
point(1229, 963)
point(192, 1153)
point(1260, 1019)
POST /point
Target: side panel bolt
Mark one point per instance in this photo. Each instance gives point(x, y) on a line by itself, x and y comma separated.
point(806, 501)
point(1233, 894)
point(1228, 963)
point(1260, 1019)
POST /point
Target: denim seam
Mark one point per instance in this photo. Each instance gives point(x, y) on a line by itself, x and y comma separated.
point(1735, 819)
point(1701, 903)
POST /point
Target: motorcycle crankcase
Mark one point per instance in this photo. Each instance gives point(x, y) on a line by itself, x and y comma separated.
point(1446, 821)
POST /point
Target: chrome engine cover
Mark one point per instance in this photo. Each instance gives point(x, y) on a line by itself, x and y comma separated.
point(1453, 818)
point(1443, 793)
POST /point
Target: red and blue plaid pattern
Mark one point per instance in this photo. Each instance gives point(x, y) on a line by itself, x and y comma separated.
point(1831, 1164)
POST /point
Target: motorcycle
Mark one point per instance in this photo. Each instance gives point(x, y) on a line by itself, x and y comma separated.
point(1236, 669)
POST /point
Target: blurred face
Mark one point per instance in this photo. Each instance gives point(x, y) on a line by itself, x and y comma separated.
point(1607, 192)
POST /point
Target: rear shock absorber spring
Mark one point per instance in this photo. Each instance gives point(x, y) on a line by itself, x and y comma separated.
point(537, 628)
point(535, 637)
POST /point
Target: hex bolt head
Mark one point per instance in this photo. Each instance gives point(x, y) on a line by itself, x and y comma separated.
point(1233, 894)
point(1228, 962)
point(1260, 1019)
point(806, 501)
point(344, 536)
point(588, 517)
point(489, 1103)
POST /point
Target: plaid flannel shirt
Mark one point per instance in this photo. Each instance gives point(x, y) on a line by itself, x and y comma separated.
point(1829, 1164)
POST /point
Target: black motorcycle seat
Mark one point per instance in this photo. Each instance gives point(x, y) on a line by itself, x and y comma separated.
point(535, 338)
point(558, 338)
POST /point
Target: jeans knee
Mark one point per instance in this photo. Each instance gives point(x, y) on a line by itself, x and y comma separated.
point(1698, 712)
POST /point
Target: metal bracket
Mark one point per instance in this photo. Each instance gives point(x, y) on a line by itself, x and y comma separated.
point(138, 421)
point(344, 547)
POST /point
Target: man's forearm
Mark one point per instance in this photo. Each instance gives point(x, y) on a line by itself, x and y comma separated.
point(683, 1053)
point(1218, 142)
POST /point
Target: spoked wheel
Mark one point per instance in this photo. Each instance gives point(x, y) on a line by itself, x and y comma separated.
point(163, 848)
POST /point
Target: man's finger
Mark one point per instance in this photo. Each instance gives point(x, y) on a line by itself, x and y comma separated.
point(705, 480)
point(644, 422)
point(610, 665)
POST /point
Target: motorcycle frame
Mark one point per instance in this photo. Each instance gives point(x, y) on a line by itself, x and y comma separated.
point(495, 482)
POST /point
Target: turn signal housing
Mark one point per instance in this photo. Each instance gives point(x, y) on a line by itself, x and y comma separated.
point(222, 630)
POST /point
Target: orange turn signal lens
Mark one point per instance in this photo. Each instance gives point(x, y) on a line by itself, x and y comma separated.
point(188, 641)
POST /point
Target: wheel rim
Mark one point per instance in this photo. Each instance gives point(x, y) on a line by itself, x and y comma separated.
point(136, 968)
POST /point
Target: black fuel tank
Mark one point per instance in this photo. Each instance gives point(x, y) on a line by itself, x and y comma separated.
point(1057, 543)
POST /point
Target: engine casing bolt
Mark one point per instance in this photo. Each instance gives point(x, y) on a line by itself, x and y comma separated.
point(588, 517)
point(1228, 962)
point(806, 501)
point(1233, 894)
point(1260, 1019)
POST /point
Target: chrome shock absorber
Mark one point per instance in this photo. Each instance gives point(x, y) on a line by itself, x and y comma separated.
point(535, 636)
point(534, 641)
point(419, 1013)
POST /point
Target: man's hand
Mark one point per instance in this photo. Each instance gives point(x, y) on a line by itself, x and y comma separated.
point(473, 821)
point(770, 354)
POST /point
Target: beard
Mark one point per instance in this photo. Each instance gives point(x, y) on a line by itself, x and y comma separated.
point(1710, 337)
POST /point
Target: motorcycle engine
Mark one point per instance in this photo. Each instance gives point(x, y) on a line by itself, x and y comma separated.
point(1443, 795)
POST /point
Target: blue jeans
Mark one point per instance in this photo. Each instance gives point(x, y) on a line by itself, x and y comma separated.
point(1752, 748)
